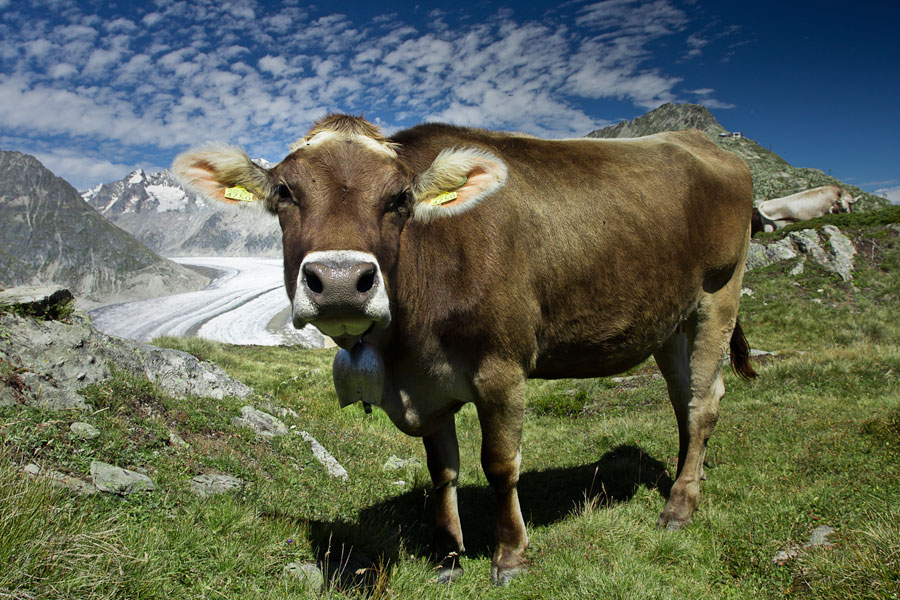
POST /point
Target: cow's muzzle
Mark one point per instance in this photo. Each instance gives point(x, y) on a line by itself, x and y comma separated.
point(342, 293)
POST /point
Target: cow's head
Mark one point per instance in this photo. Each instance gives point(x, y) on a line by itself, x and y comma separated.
point(844, 202)
point(343, 196)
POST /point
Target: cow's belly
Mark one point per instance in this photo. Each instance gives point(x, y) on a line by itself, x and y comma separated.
point(585, 362)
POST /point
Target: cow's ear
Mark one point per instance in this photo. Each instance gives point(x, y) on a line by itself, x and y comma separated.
point(457, 181)
point(223, 173)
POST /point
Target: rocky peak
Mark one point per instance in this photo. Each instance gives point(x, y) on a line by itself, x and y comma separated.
point(668, 117)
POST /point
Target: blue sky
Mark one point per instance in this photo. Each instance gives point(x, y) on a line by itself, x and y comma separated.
point(97, 89)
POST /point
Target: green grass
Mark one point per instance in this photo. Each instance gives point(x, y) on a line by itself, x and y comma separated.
point(814, 440)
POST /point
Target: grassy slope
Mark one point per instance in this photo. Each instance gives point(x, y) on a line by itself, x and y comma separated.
point(814, 440)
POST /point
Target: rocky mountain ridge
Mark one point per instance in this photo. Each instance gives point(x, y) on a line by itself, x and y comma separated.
point(50, 234)
point(160, 213)
point(773, 177)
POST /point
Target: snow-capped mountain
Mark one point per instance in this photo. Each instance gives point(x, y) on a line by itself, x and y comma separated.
point(159, 212)
point(49, 235)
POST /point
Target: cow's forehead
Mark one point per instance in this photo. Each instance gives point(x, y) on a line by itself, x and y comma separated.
point(331, 158)
point(328, 137)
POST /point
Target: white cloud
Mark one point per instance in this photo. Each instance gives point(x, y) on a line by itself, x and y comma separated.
point(185, 72)
point(891, 193)
point(84, 172)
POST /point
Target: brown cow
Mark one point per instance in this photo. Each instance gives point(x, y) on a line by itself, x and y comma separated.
point(452, 264)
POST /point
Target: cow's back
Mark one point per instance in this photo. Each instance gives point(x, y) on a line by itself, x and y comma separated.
point(587, 256)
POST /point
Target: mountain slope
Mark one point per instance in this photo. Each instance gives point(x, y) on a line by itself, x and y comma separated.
point(49, 234)
point(157, 211)
point(773, 176)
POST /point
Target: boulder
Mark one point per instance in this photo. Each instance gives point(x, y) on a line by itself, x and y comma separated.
point(261, 422)
point(115, 480)
point(309, 574)
point(56, 359)
point(38, 301)
point(215, 483)
point(85, 431)
point(828, 247)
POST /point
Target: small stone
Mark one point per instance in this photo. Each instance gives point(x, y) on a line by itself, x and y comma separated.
point(307, 573)
point(261, 422)
point(332, 466)
point(7, 397)
point(85, 431)
point(115, 480)
point(819, 536)
point(177, 441)
point(395, 463)
point(32, 469)
point(784, 556)
point(212, 484)
point(755, 353)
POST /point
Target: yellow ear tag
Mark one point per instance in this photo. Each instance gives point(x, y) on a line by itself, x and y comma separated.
point(443, 198)
point(239, 193)
point(446, 197)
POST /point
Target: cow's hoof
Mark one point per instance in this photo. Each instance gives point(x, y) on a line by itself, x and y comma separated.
point(502, 577)
point(670, 522)
point(447, 575)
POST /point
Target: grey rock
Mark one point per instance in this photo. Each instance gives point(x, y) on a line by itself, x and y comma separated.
point(332, 466)
point(261, 422)
point(59, 359)
point(395, 463)
point(182, 374)
point(308, 573)
point(754, 353)
point(84, 430)
point(44, 392)
point(819, 536)
point(836, 256)
point(212, 484)
point(756, 256)
point(7, 397)
point(61, 480)
point(115, 480)
point(36, 300)
point(817, 539)
point(807, 242)
point(841, 250)
point(177, 441)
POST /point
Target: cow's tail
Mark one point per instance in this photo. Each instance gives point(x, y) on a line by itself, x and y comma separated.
point(740, 353)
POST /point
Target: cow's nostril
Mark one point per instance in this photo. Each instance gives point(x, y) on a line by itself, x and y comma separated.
point(365, 283)
point(314, 283)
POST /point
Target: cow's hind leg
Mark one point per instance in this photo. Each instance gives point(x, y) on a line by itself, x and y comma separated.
point(691, 362)
point(442, 450)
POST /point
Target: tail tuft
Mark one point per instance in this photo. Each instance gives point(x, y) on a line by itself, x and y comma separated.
point(740, 354)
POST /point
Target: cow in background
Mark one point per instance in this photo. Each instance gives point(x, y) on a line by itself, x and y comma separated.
point(774, 214)
point(451, 264)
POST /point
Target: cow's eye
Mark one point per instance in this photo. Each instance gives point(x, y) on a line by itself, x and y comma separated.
point(398, 203)
point(284, 194)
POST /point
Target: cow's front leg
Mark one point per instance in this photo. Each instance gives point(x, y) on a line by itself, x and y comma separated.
point(442, 450)
point(500, 412)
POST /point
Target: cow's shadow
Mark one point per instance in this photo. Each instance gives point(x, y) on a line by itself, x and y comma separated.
point(358, 553)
